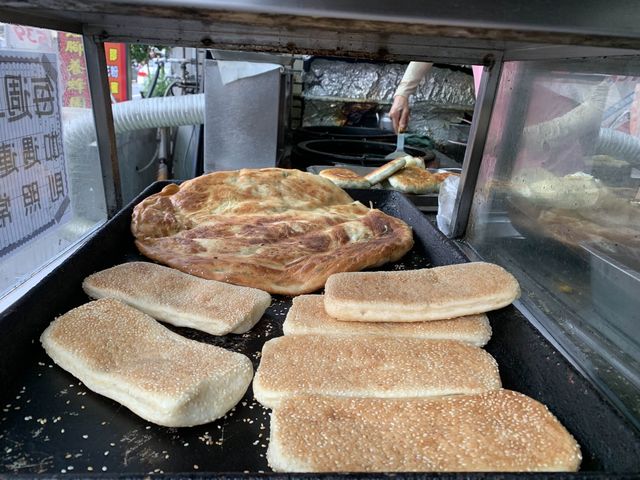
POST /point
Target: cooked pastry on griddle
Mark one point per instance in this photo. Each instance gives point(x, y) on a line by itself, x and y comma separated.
point(496, 431)
point(385, 171)
point(124, 354)
point(345, 178)
point(181, 299)
point(417, 180)
point(413, 161)
point(283, 231)
point(307, 316)
point(363, 366)
point(426, 294)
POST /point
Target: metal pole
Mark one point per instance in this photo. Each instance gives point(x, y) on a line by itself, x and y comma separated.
point(475, 148)
point(105, 132)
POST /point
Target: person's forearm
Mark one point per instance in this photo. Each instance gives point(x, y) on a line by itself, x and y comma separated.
point(413, 75)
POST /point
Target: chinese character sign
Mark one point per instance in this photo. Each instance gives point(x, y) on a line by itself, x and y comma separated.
point(117, 70)
point(73, 70)
point(34, 193)
point(22, 37)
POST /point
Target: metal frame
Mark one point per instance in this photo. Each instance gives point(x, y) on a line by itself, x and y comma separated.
point(571, 22)
point(431, 30)
point(105, 131)
point(476, 143)
point(519, 99)
point(34, 19)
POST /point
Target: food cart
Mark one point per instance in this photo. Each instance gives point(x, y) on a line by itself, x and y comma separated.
point(549, 189)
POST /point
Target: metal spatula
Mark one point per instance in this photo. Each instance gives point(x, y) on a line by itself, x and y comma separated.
point(399, 151)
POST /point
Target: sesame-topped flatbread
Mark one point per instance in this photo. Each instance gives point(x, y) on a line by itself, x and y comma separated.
point(124, 354)
point(425, 294)
point(369, 366)
point(494, 431)
point(180, 299)
point(307, 316)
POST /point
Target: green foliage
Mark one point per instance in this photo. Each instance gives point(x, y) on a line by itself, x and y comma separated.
point(140, 53)
point(161, 85)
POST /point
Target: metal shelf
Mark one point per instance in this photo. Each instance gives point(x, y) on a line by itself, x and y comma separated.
point(401, 30)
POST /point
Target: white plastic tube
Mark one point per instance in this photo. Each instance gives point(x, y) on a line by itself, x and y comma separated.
point(85, 179)
point(619, 145)
point(136, 115)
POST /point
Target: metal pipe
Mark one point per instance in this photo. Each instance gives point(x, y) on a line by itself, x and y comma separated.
point(80, 133)
point(473, 153)
point(103, 123)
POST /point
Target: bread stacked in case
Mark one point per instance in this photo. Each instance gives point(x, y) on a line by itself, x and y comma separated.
point(385, 373)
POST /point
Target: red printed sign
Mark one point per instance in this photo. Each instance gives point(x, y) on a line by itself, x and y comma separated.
point(117, 70)
point(74, 71)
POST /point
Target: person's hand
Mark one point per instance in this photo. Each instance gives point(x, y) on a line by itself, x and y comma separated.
point(399, 113)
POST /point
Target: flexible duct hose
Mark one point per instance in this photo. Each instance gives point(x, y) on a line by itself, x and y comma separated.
point(85, 179)
point(159, 112)
point(137, 115)
point(619, 145)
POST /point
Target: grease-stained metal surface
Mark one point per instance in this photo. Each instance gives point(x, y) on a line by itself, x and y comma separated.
point(377, 30)
point(51, 424)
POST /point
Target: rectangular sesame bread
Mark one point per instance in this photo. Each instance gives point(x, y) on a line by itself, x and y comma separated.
point(307, 316)
point(181, 299)
point(495, 431)
point(427, 294)
point(124, 354)
point(362, 366)
point(385, 171)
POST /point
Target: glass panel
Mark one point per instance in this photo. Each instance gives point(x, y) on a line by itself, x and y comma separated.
point(146, 154)
point(558, 204)
point(51, 191)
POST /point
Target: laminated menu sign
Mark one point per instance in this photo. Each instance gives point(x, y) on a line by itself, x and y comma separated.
point(34, 193)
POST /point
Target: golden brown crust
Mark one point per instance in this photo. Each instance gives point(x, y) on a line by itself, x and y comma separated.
point(414, 161)
point(180, 299)
point(345, 178)
point(420, 295)
point(413, 179)
point(282, 231)
point(496, 431)
point(385, 171)
point(126, 355)
point(307, 316)
point(360, 366)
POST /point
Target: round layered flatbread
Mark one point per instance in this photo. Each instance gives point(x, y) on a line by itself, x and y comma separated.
point(417, 180)
point(283, 231)
point(345, 178)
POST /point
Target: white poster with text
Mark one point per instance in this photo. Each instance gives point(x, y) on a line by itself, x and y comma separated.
point(34, 194)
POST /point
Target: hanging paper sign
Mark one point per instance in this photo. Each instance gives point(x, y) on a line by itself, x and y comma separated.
point(73, 70)
point(22, 37)
point(34, 193)
point(117, 70)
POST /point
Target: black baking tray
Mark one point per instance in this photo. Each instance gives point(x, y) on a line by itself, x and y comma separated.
point(50, 424)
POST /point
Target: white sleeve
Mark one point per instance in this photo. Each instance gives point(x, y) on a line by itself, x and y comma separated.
point(414, 73)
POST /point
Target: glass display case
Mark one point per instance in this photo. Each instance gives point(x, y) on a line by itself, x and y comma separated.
point(550, 187)
point(51, 190)
point(557, 201)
